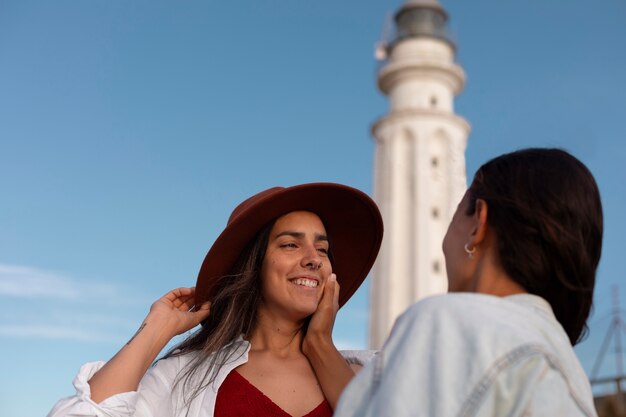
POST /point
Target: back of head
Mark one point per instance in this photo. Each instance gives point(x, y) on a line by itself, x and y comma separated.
point(545, 210)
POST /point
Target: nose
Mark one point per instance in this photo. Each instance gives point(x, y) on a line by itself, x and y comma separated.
point(312, 260)
point(314, 265)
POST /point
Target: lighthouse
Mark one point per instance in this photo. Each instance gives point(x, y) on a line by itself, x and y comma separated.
point(419, 167)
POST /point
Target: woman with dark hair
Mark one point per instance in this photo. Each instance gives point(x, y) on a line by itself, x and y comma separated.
point(266, 295)
point(521, 256)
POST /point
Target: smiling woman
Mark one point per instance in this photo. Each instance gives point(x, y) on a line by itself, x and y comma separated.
point(267, 295)
point(296, 266)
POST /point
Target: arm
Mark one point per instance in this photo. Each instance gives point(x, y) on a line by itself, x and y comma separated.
point(332, 370)
point(168, 317)
point(538, 387)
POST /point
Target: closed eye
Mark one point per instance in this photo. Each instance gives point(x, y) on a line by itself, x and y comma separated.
point(288, 245)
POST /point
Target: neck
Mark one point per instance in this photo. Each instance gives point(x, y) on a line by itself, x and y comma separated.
point(276, 334)
point(493, 280)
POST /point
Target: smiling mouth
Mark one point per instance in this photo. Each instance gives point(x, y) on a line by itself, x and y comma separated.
point(304, 282)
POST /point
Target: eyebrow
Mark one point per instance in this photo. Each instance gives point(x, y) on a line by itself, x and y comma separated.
point(300, 235)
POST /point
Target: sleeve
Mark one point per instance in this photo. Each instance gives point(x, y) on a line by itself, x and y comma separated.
point(151, 399)
point(549, 393)
point(381, 387)
point(531, 383)
point(356, 400)
point(358, 357)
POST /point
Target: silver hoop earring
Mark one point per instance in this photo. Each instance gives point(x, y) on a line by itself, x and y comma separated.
point(470, 252)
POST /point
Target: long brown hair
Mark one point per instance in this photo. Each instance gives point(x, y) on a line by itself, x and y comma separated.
point(545, 209)
point(233, 313)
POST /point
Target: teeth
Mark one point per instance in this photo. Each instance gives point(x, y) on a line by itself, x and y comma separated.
point(305, 282)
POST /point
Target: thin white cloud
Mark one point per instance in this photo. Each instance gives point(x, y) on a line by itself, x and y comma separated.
point(27, 282)
point(18, 281)
point(66, 308)
point(58, 333)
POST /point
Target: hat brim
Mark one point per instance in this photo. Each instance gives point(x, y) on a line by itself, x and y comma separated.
point(351, 218)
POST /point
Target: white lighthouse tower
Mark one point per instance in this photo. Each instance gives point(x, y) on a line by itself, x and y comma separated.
point(419, 172)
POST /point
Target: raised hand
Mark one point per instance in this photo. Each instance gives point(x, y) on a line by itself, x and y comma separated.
point(170, 315)
point(175, 311)
point(331, 369)
point(323, 320)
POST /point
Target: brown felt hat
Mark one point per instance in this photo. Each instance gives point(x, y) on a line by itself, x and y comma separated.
point(351, 218)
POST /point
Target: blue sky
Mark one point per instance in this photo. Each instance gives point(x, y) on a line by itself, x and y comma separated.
point(129, 129)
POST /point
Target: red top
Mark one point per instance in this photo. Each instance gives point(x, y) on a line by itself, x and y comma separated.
point(239, 398)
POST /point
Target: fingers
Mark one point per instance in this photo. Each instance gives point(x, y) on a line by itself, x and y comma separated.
point(322, 321)
point(203, 312)
point(330, 298)
point(185, 304)
point(333, 279)
point(181, 298)
point(178, 293)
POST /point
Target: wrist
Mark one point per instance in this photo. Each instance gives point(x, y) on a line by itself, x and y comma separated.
point(157, 329)
point(317, 344)
point(163, 320)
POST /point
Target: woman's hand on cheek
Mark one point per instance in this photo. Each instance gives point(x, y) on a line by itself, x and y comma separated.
point(322, 321)
point(331, 369)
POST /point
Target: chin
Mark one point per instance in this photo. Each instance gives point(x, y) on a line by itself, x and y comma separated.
point(309, 311)
point(305, 311)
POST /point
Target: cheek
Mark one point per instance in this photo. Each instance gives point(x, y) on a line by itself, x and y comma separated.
point(445, 244)
point(269, 266)
point(327, 267)
point(266, 273)
point(264, 270)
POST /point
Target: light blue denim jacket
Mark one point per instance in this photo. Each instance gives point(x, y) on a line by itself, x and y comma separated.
point(473, 355)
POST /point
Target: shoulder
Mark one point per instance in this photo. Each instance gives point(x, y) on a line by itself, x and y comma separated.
point(468, 321)
point(535, 383)
point(170, 367)
point(167, 369)
point(463, 308)
point(461, 302)
point(469, 310)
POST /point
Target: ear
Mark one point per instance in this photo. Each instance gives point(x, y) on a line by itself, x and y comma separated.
point(479, 230)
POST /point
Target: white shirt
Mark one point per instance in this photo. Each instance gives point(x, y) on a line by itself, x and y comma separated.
point(473, 355)
point(157, 394)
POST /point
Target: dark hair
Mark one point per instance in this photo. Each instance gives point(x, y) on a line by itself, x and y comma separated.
point(233, 313)
point(545, 210)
